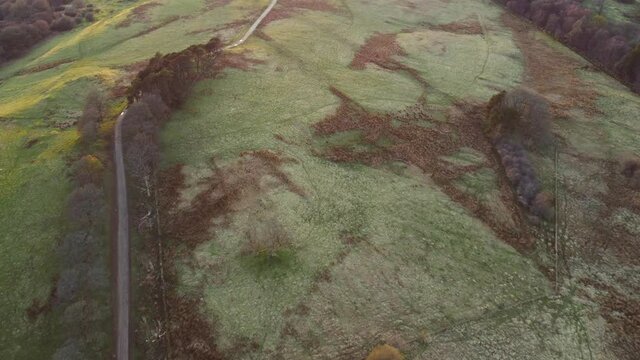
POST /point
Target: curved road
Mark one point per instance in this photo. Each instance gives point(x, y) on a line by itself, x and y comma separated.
point(123, 270)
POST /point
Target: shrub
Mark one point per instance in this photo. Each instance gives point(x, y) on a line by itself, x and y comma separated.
point(385, 352)
point(267, 240)
point(631, 171)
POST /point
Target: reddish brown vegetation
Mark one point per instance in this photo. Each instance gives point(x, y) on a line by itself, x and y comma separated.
point(228, 189)
point(470, 27)
point(379, 49)
point(622, 314)
point(225, 188)
point(610, 44)
point(239, 61)
point(288, 8)
point(423, 147)
point(549, 72)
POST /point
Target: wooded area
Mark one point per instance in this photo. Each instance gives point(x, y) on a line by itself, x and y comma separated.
point(23, 23)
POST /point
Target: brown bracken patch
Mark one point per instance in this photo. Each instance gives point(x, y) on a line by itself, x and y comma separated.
point(551, 73)
point(235, 60)
point(469, 27)
point(622, 314)
point(423, 147)
point(288, 8)
point(186, 332)
point(227, 189)
point(379, 49)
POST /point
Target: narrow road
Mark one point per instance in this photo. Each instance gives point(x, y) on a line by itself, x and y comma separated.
point(123, 271)
point(254, 26)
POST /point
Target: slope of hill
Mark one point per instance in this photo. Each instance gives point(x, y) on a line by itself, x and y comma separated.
point(332, 187)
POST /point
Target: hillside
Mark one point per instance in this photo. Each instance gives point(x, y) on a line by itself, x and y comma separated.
point(332, 186)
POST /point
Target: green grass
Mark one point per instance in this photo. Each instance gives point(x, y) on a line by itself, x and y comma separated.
point(426, 267)
point(33, 182)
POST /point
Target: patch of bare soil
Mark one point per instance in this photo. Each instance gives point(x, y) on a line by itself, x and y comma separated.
point(379, 49)
point(467, 27)
point(288, 8)
point(187, 333)
point(551, 73)
point(138, 14)
point(423, 147)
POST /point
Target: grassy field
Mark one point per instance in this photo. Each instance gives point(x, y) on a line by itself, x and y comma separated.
point(42, 94)
point(382, 253)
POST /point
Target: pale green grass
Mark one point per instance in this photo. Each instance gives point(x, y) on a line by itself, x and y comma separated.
point(424, 263)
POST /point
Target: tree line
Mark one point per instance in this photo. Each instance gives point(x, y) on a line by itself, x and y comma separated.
point(613, 46)
point(162, 86)
point(23, 23)
point(81, 291)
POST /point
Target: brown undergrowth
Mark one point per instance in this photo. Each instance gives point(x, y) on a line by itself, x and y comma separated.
point(423, 147)
point(288, 8)
point(236, 60)
point(467, 27)
point(380, 49)
point(551, 73)
point(187, 333)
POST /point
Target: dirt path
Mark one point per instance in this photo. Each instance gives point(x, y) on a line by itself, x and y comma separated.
point(123, 269)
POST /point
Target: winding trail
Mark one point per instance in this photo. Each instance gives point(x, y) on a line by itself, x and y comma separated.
point(123, 269)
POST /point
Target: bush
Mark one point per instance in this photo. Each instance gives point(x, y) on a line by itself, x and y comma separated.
point(631, 171)
point(385, 352)
point(267, 240)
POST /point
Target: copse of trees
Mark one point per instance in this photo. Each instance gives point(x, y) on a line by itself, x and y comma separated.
point(613, 46)
point(83, 271)
point(23, 23)
point(171, 76)
point(518, 123)
point(161, 86)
